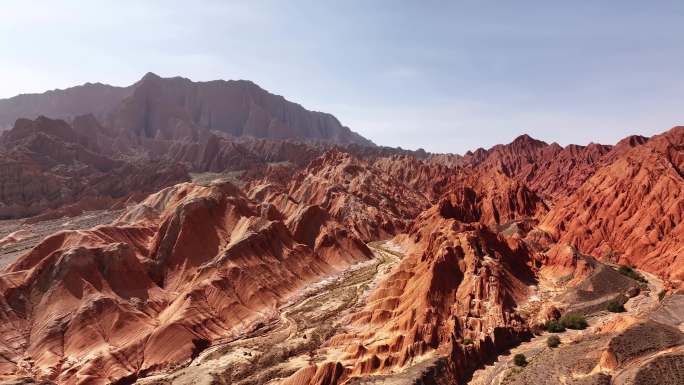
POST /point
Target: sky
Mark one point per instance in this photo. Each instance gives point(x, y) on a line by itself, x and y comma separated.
point(445, 76)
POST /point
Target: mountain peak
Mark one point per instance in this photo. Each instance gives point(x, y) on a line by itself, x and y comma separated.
point(150, 76)
point(236, 108)
point(527, 140)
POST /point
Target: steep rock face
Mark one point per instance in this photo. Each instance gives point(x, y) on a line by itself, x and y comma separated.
point(177, 108)
point(458, 281)
point(49, 165)
point(549, 170)
point(361, 197)
point(185, 267)
point(425, 175)
point(97, 99)
point(490, 197)
point(630, 211)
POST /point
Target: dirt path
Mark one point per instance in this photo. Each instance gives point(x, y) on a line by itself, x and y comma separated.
point(626, 375)
point(289, 341)
point(496, 373)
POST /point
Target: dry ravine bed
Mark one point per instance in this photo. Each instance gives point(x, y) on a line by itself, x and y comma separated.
point(291, 340)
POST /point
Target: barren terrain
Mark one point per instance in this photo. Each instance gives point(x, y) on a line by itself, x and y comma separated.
point(581, 357)
point(280, 346)
point(19, 235)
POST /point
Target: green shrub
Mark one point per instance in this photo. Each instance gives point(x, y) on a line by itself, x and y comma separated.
point(553, 341)
point(520, 359)
point(631, 273)
point(615, 307)
point(467, 341)
point(574, 321)
point(555, 327)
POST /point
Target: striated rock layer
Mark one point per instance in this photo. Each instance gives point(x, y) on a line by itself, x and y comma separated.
point(459, 282)
point(630, 211)
point(50, 165)
point(199, 264)
point(188, 266)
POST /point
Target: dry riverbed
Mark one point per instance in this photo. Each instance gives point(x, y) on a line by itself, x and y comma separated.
point(292, 339)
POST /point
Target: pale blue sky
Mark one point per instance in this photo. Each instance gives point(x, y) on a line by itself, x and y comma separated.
point(445, 76)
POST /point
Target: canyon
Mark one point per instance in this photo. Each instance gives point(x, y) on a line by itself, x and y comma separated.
point(179, 232)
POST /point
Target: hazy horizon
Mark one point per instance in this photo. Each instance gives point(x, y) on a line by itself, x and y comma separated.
point(443, 77)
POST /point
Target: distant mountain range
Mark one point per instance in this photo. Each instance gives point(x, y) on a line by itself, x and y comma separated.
point(178, 108)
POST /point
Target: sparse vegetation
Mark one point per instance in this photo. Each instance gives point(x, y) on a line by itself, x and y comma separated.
point(510, 375)
point(631, 273)
point(520, 359)
point(615, 307)
point(661, 295)
point(467, 341)
point(553, 341)
point(574, 321)
point(554, 326)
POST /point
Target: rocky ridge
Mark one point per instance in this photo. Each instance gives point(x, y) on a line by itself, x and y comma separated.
point(363, 264)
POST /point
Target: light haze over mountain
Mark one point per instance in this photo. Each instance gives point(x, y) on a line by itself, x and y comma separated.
point(445, 77)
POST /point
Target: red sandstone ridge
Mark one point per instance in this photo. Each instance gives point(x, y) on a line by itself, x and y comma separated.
point(186, 267)
point(631, 210)
point(458, 281)
point(49, 164)
point(551, 171)
point(360, 196)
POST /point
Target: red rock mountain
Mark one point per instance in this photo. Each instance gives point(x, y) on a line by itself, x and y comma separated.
point(194, 266)
point(459, 281)
point(138, 139)
point(630, 211)
point(50, 165)
point(549, 170)
point(184, 268)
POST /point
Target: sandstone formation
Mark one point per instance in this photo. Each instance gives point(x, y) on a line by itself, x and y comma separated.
point(630, 211)
point(450, 259)
point(187, 266)
point(49, 165)
point(549, 170)
point(459, 282)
